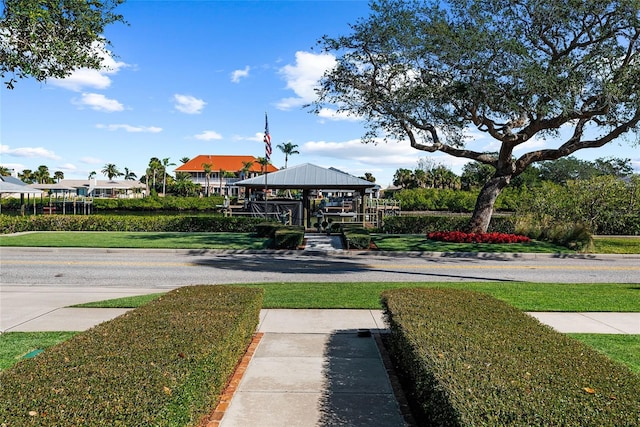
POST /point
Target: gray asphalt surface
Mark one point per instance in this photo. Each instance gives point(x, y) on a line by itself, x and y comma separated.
point(165, 269)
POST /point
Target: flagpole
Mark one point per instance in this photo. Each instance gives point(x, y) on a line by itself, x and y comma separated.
point(267, 155)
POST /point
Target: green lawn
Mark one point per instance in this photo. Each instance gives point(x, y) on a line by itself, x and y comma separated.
point(93, 239)
point(15, 345)
point(622, 348)
point(238, 241)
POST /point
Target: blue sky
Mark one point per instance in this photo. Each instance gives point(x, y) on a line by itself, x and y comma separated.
point(196, 77)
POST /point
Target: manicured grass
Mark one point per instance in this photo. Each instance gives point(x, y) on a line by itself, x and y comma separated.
point(616, 245)
point(124, 302)
point(617, 297)
point(15, 345)
point(418, 242)
point(137, 240)
point(622, 348)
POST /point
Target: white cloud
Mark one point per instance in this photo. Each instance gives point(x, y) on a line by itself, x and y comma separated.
point(327, 113)
point(83, 78)
point(91, 160)
point(68, 167)
point(28, 152)
point(236, 75)
point(188, 104)
point(388, 154)
point(208, 135)
point(303, 77)
point(98, 102)
point(129, 128)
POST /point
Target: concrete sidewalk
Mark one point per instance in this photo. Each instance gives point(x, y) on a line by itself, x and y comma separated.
point(313, 368)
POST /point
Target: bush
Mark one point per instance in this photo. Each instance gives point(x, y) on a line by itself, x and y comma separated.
point(460, 237)
point(423, 224)
point(163, 364)
point(162, 223)
point(290, 237)
point(268, 229)
point(472, 360)
point(356, 238)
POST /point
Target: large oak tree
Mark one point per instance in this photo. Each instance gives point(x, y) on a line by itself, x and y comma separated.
point(52, 38)
point(426, 71)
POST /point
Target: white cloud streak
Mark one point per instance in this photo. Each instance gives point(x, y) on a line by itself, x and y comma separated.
point(237, 75)
point(84, 78)
point(208, 135)
point(29, 152)
point(98, 102)
point(188, 104)
point(129, 128)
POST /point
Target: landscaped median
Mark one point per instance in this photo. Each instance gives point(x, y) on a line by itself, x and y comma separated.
point(470, 359)
point(163, 364)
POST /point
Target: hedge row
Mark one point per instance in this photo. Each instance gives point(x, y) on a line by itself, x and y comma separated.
point(289, 237)
point(356, 238)
point(163, 364)
point(159, 223)
point(168, 203)
point(472, 360)
point(423, 224)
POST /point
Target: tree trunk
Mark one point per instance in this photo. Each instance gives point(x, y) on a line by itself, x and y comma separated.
point(481, 217)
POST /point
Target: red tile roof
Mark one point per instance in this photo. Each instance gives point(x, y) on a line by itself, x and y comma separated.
point(227, 163)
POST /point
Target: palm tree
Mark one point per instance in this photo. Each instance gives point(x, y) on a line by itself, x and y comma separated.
point(92, 175)
point(26, 176)
point(288, 149)
point(207, 175)
point(4, 171)
point(184, 160)
point(246, 167)
point(111, 171)
point(165, 164)
point(58, 175)
point(155, 165)
point(129, 175)
point(42, 175)
point(263, 161)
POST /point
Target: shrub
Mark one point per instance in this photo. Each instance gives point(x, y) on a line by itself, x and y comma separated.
point(163, 364)
point(268, 229)
point(290, 237)
point(176, 223)
point(356, 238)
point(472, 360)
point(423, 224)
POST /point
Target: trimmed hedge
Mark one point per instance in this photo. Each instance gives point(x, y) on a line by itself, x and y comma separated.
point(288, 237)
point(159, 223)
point(423, 224)
point(356, 238)
point(472, 360)
point(163, 364)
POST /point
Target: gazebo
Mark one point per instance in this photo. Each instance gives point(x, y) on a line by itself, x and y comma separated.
point(307, 177)
point(11, 185)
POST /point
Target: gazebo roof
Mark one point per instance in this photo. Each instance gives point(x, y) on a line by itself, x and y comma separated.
point(307, 176)
point(10, 184)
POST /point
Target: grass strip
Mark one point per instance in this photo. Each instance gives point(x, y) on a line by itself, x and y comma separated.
point(124, 302)
point(15, 345)
point(135, 240)
point(623, 348)
point(526, 296)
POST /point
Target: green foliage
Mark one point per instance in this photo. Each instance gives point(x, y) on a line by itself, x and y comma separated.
point(163, 364)
point(52, 39)
point(288, 237)
point(469, 359)
point(10, 224)
point(427, 223)
point(357, 238)
point(168, 203)
point(267, 229)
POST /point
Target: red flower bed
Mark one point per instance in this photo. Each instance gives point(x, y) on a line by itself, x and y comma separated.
point(460, 237)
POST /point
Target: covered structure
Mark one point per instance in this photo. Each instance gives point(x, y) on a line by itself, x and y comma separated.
point(13, 186)
point(308, 177)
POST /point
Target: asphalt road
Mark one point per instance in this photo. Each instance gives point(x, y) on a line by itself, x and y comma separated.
point(166, 269)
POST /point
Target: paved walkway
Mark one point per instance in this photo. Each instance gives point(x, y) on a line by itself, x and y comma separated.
point(322, 243)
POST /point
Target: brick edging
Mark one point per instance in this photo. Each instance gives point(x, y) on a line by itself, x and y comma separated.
point(214, 417)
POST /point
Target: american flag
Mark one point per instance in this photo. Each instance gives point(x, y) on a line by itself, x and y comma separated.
point(267, 138)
